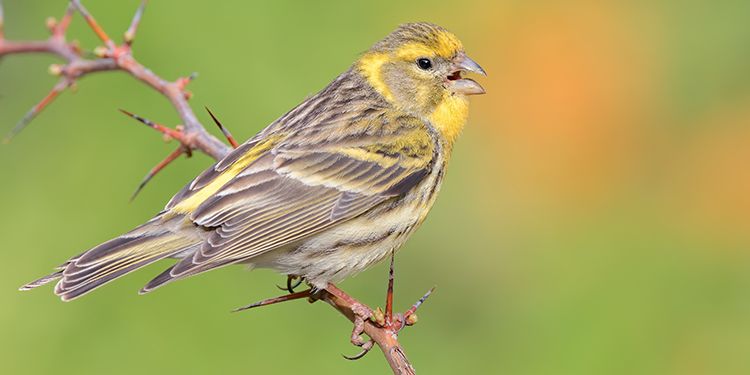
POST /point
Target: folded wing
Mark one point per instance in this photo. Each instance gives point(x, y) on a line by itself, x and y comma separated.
point(290, 192)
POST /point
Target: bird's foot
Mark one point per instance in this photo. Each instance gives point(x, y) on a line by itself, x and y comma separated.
point(378, 322)
point(361, 314)
point(385, 320)
point(290, 286)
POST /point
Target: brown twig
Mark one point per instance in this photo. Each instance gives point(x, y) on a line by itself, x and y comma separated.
point(383, 332)
point(192, 136)
point(111, 57)
point(385, 337)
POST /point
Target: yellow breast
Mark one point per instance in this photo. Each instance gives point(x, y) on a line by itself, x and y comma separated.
point(449, 117)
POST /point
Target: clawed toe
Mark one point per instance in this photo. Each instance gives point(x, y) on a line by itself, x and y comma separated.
point(362, 314)
point(366, 346)
point(289, 286)
point(386, 320)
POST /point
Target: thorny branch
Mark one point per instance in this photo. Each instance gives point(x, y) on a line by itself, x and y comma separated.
point(110, 57)
point(382, 328)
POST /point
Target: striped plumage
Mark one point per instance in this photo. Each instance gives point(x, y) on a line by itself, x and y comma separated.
point(326, 190)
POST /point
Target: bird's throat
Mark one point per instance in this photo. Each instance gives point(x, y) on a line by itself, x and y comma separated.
point(449, 118)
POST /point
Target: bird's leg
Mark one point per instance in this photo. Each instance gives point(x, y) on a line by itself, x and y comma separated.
point(271, 301)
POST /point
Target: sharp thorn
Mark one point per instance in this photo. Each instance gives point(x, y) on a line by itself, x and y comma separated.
point(389, 294)
point(416, 305)
point(271, 301)
point(144, 120)
point(34, 111)
point(172, 133)
point(224, 130)
point(20, 125)
point(93, 24)
point(130, 33)
point(62, 25)
point(251, 306)
point(170, 158)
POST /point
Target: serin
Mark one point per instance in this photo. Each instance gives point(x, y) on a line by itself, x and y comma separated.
point(330, 188)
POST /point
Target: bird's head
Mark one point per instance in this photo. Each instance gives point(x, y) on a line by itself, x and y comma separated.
point(418, 65)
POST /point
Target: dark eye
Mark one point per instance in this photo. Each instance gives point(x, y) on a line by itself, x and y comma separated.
point(424, 63)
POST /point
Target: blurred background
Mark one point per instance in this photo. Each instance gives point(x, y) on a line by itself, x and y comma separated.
point(595, 219)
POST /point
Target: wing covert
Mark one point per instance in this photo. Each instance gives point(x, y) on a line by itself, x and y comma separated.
point(292, 191)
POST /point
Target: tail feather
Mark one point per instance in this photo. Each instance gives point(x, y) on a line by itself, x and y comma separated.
point(58, 274)
point(169, 276)
point(42, 281)
point(118, 257)
point(77, 280)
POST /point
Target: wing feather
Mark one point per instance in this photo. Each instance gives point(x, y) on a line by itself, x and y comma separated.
point(294, 190)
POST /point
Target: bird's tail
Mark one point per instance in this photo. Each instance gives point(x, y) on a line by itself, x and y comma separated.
point(157, 239)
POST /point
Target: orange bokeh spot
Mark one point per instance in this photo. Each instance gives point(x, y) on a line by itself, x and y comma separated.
point(569, 89)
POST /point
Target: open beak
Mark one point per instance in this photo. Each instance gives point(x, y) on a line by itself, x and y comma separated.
point(466, 86)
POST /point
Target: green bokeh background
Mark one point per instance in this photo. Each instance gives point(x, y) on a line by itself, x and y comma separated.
point(595, 220)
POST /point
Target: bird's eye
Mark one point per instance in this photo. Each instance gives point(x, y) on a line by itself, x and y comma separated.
point(424, 63)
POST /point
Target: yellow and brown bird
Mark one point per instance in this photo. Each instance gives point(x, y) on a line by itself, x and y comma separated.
point(330, 188)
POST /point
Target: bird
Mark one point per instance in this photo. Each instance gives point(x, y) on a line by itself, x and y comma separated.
point(333, 186)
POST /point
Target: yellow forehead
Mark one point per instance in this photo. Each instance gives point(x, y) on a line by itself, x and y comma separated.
point(444, 44)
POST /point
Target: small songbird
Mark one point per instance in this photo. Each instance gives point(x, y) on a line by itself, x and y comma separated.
point(333, 186)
